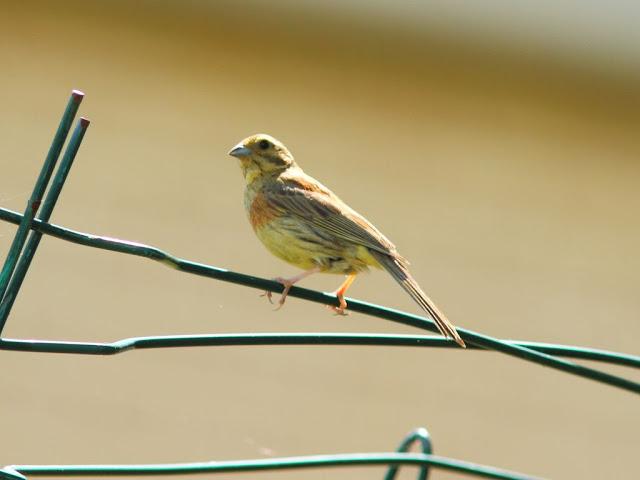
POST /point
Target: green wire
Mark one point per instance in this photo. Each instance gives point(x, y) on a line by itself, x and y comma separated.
point(9, 473)
point(472, 338)
point(262, 339)
point(421, 436)
point(337, 460)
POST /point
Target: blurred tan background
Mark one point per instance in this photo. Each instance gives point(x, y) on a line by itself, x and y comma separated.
point(503, 166)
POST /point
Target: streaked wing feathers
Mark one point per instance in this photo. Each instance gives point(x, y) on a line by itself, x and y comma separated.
point(322, 209)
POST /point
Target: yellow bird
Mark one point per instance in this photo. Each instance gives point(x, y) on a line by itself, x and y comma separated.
point(305, 224)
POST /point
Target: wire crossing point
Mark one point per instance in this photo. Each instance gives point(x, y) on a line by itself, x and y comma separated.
point(47, 209)
point(38, 191)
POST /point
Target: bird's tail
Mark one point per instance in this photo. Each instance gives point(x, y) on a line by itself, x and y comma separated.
point(397, 267)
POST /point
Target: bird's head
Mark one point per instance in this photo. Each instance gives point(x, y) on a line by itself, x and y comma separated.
point(261, 154)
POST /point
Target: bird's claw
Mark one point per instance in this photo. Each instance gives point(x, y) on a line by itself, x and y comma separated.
point(268, 294)
point(338, 310)
point(287, 286)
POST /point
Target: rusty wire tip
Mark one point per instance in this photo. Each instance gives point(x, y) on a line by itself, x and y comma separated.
point(77, 94)
point(84, 122)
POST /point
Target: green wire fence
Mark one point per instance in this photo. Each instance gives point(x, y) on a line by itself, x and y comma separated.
point(33, 223)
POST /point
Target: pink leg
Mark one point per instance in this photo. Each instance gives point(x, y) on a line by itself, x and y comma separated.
point(288, 283)
point(340, 294)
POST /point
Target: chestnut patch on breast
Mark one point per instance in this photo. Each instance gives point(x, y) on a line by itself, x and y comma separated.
point(260, 212)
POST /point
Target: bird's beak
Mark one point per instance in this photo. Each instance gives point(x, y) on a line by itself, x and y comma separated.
point(239, 151)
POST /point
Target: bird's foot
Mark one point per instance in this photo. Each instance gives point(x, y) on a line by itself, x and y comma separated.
point(287, 284)
point(341, 309)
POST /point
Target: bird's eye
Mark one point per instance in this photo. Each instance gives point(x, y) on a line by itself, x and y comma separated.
point(264, 144)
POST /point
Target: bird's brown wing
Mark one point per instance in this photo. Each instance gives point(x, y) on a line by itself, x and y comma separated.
point(313, 203)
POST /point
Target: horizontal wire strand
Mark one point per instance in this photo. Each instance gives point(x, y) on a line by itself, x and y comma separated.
point(335, 460)
point(286, 338)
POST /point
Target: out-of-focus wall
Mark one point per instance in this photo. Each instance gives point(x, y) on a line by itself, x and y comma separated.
point(510, 183)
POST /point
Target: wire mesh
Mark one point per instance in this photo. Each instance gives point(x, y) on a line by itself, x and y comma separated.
point(34, 223)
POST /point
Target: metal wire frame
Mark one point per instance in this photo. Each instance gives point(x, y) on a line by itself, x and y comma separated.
point(19, 258)
point(537, 353)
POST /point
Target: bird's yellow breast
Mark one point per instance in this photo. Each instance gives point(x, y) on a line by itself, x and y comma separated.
point(286, 245)
point(276, 232)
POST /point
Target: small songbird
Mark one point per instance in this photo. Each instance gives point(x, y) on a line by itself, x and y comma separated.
point(304, 223)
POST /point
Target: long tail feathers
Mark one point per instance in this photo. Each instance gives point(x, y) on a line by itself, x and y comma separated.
point(398, 270)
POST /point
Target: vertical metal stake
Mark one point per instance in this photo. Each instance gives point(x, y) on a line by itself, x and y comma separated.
point(38, 191)
point(47, 208)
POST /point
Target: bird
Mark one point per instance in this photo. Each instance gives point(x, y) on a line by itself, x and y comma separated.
point(302, 222)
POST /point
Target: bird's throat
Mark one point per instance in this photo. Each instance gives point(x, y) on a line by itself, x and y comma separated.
point(250, 171)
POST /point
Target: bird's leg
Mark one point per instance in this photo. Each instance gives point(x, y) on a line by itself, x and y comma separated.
point(287, 283)
point(340, 294)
